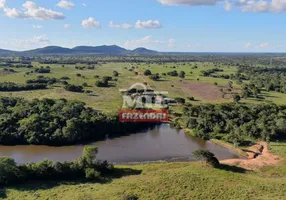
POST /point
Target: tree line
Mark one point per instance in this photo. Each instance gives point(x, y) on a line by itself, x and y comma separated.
point(11, 87)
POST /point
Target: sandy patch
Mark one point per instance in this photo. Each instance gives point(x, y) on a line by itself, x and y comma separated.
point(266, 158)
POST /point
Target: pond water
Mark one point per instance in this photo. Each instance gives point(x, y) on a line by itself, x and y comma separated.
point(160, 143)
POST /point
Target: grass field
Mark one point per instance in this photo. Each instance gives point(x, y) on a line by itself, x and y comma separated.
point(110, 100)
point(174, 181)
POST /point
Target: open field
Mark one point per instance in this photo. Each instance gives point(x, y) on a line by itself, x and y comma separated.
point(171, 181)
point(109, 99)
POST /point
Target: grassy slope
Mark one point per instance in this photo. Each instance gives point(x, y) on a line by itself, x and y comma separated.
point(172, 181)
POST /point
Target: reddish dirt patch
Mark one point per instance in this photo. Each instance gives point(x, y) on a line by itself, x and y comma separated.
point(266, 158)
point(203, 91)
point(208, 91)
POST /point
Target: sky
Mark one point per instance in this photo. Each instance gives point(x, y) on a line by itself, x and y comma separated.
point(163, 25)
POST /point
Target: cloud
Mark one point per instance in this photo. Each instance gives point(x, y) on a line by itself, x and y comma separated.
point(67, 26)
point(31, 10)
point(83, 4)
point(38, 26)
point(227, 5)
point(171, 43)
point(148, 24)
point(263, 45)
point(124, 26)
point(275, 6)
point(37, 40)
point(66, 4)
point(248, 45)
point(149, 42)
point(2, 3)
point(90, 23)
point(189, 2)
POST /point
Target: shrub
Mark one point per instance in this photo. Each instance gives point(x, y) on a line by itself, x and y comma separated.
point(180, 100)
point(147, 72)
point(74, 88)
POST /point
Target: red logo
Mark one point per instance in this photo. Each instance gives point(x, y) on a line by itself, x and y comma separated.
point(155, 116)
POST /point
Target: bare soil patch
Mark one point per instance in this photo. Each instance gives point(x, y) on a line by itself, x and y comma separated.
point(264, 159)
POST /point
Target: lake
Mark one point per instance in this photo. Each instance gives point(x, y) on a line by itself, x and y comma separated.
point(158, 144)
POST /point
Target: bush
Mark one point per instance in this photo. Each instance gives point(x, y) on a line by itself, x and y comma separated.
point(147, 72)
point(115, 73)
point(74, 88)
point(173, 73)
point(154, 77)
point(180, 100)
point(43, 70)
point(131, 197)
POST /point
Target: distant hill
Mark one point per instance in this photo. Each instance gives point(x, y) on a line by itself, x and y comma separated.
point(108, 50)
point(49, 50)
point(98, 50)
point(144, 51)
point(4, 51)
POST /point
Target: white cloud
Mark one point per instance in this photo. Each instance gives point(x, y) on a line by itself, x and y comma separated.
point(149, 42)
point(83, 4)
point(124, 26)
point(66, 4)
point(171, 43)
point(248, 45)
point(37, 40)
point(148, 24)
point(263, 45)
point(262, 5)
point(38, 26)
point(227, 5)
point(90, 23)
point(67, 26)
point(31, 10)
point(2, 3)
point(189, 2)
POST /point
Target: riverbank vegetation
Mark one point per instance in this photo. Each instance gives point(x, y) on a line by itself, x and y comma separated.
point(56, 122)
point(236, 123)
point(84, 168)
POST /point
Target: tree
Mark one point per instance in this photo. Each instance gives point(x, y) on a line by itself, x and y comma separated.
point(236, 98)
point(147, 72)
point(89, 154)
point(182, 74)
point(115, 73)
point(207, 156)
point(154, 77)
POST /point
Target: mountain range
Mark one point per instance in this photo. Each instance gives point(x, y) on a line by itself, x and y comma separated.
point(98, 50)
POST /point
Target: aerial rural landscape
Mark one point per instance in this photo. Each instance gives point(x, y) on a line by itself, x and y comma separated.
point(145, 118)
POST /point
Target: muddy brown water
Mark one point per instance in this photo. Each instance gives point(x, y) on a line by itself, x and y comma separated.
point(160, 143)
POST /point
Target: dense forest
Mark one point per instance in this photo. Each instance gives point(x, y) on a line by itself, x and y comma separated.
point(85, 167)
point(56, 122)
point(236, 123)
point(270, 79)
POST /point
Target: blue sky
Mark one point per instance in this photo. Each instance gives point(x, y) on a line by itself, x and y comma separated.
point(164, 25)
